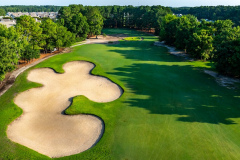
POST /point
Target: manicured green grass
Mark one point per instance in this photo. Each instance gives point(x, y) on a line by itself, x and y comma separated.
point(170, 109)
point(133, 39)
point(110, 31)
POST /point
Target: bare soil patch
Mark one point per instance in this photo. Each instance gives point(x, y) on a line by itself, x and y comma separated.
point(42, 126)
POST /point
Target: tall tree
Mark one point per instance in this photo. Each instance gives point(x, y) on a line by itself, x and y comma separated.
point(31, 37)
point(227, 51)
point(168, 29)
point(8, 56)
point(187, 26)
point(95, 21)
point(64, 38)
point(79, 26)
point(2, 12)
point(200, 44)
point(49, 34)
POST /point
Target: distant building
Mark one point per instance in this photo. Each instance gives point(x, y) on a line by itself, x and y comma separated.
point(37, 20)
point(33, 14)
point(208, 20)
point(8, 22)
point(52, 15)
point(178, 15)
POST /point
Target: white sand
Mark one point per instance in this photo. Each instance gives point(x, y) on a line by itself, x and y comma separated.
point(43, 127)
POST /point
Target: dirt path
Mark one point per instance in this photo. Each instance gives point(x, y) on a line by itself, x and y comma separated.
point(42, 126)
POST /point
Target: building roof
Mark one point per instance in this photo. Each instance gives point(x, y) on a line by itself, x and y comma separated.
point(8, 22)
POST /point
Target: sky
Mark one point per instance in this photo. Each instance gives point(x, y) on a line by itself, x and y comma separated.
point(170, 3)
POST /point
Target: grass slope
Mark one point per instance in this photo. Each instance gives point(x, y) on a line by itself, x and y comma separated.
point(170, 109)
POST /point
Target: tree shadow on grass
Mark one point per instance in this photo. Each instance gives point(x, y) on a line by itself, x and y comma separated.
point(181, 90)
point(145, 51)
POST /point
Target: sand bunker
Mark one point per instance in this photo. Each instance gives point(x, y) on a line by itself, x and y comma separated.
point(43, 127)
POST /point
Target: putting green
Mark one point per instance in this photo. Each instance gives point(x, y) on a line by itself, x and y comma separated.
point(170, 108)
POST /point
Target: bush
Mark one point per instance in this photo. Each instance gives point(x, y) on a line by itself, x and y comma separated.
point(8, 18)
point(2, 76)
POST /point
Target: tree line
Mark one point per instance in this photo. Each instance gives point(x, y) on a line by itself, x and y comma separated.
point(142, 17)
point(22, 8)
point(28, 37)
point(83, 21)
point(88, 20)
point(212, 12)
point(217, 41)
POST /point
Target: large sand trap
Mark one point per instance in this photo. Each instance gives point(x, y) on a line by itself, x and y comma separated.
point(43, 127)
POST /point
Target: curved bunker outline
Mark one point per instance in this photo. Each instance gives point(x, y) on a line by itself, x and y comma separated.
point(16, 135)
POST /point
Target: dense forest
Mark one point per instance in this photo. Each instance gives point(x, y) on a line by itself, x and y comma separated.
point(143, 17)
point(212, 12)
point(19, 8)
point(217, 41)
point(80, 20)
point(27, 39)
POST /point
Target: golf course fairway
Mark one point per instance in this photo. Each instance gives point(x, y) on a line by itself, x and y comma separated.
point(170, 109)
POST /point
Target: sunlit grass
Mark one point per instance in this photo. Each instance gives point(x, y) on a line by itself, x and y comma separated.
point(132, 39)
point(170, 108)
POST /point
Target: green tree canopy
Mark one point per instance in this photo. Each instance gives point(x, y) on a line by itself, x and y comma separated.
point(49, 34)
point(168, 29)
point(227, 51)
point(79, 26)
point(2, 12)
point(31, 37)
point(200, 44)
point(187, 26)
point(8, 52)
point(95, 21)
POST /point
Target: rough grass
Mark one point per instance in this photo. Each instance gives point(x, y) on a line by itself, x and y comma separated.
point(170, 109)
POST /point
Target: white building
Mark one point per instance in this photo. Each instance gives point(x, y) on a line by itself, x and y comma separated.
point(51, 15)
